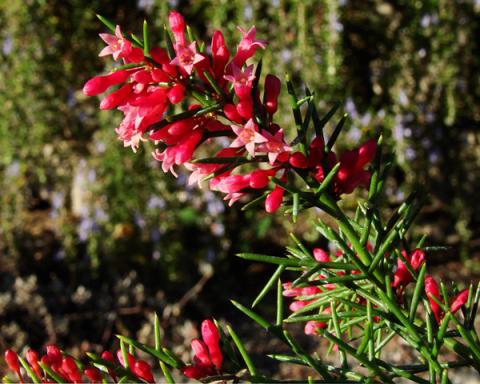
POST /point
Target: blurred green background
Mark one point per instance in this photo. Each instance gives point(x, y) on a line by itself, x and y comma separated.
point(94, 238)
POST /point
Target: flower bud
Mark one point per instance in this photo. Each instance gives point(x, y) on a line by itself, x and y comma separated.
point(321, 256)
point(143, 370)
point(70, 368)
point(11, 358)
point(298, 160)
point(312, 327)
point(160, 55)
point(180, 127)
point(176, 94)
point(245, 109)
point(459, 301)
point(231, 113)
point(431, 289)
point(177, 25)
point(274, 199)
point(130, 358)
point(93, 374)
point(270, 96)
point(32, 358)
point(259, 179)
point(200, 350)
point(366, 153)
point(116, 98)
point(159, 76)
point(54, 354)
point(417, 258)
point(220, 53)
point(100, 84)
point(197, 372)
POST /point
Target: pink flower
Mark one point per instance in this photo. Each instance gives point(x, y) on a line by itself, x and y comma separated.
point(247, 136)
point(187, 57)
point(242, 81)
point(248, 45)
point(118, 46)
point(274, 145)
point(179, 153)
point(200, 171)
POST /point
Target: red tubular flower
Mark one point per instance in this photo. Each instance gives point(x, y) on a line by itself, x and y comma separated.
point(459, 301)
point(100, 84)
point(11, 358)
point(159, 55)
point(54, 354)
point(177, 25)
point(312, 327)
point(274, 199)
point(270, 96)
point(208, 356)
point(32, 358)
point(232, 114)
point(211, 336)
point(366, 153)
point(247, 46)
point(321, 256)
point(117, 97)
point(242, 81)
point(176, 94)
point(402, 276)
point(106, 355)
point(200, 350)
point(220, 55)
point(70, 368)
point(197, 372)
point(130, 358)
point(143, 370)
point(93, 374)
point(298, 160)
point(431, 289)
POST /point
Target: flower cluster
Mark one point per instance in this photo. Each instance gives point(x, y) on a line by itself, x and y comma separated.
point(250, 148)
point(207, 360)
point(310, 291)
point(64, 368)
point(433, 294)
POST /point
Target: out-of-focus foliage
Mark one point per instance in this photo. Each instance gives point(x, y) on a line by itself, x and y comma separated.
point(79, 213)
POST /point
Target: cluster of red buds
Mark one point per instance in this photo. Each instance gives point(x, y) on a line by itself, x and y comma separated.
point(228, 117)
point(207, 360)
point(434, 298)
point(305, 295)
point(53, 362)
